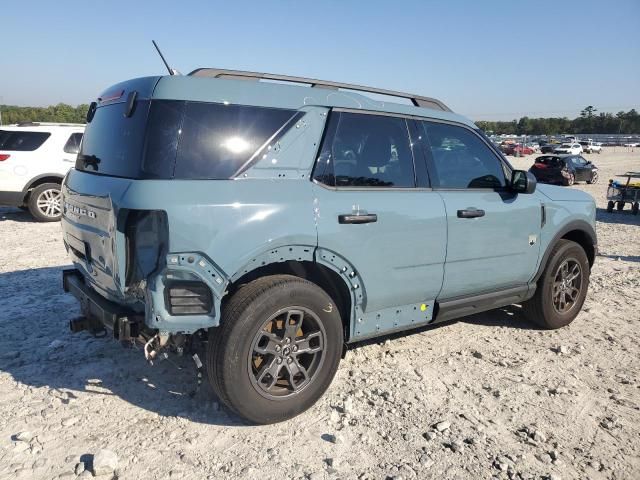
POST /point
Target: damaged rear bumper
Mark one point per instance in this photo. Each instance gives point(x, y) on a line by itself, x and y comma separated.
point(100, 315)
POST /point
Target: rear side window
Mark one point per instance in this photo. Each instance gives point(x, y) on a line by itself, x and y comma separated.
point(73, 144)
point(550, 161)
point(460, 159)
point(217, 140)
point(166, 139)
point(362, 150)
point(22, 141)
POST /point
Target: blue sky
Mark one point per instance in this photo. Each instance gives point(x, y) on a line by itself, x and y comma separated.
point(485, 59)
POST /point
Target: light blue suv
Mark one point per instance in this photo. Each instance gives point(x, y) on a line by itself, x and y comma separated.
point(277, 219)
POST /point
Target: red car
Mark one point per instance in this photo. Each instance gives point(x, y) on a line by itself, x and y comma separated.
point(515, 149)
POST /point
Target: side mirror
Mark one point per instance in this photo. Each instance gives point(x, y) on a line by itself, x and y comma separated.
point(523, 182)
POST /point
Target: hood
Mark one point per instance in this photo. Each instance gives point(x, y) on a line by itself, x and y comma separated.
point(563, 194)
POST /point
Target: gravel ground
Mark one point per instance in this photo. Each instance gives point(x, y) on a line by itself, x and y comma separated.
point(486, 396)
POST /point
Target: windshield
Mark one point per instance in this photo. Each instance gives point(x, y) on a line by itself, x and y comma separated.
point(166, 139)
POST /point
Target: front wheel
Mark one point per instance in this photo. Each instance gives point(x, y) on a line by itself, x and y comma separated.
point(562, 287)
point(594, 178)
point(277, 348)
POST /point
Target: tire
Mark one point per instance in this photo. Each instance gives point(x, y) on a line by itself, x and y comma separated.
point(570, 180)
point(594, 178)
point(45, 202)
point(620, 206)
point(254, 320)
point(634, 208)
point(610, 206)
point(545, 307)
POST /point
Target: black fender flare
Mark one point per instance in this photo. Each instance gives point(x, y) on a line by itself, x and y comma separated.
point(30, 183)
point(585, 229)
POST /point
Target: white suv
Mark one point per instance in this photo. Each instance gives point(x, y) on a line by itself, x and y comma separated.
point(34, 158)
point(570, 148)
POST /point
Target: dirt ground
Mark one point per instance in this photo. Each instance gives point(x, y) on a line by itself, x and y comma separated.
point(486, 396)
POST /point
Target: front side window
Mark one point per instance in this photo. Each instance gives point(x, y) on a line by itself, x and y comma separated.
point(460, 159)
point(73, 144)
point(362, 150)
point(22, 141)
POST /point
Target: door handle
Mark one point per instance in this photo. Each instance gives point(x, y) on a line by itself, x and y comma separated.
point(69, 161)
point(358, 218)
point(470, 213)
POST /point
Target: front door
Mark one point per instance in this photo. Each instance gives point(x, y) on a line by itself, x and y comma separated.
point(493, 234)
point(372, 209)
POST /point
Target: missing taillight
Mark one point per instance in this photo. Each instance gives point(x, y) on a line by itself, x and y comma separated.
point(4, 157)
point(147, 237)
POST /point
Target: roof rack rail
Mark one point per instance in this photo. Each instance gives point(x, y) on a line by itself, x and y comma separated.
point(417, 100)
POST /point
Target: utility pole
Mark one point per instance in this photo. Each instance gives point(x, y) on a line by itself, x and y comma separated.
point(1, 99)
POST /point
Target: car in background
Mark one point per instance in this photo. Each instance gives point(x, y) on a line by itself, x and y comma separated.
point(517, 149)
point(534, 146)
point(564, 169)
point(589, 146)
point(548, 147)
point(569, 148)
point(34, 158)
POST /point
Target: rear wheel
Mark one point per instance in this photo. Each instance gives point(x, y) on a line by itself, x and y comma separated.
point(620, 206)
point(635, 208)
point(610, 206)
point(277, 348)
point(562, 287)
point(45, 202)
point(570, 180)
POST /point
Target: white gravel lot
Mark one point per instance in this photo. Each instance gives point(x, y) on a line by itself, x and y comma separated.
point(514, 401)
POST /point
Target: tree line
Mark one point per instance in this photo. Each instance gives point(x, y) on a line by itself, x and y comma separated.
point(54, 113)
point(589, 121)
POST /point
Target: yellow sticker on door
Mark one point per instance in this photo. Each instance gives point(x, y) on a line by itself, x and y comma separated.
point(423, 307)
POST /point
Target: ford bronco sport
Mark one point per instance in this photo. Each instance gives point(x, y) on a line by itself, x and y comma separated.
point(280, 221)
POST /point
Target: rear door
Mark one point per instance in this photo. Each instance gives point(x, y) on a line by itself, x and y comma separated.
point(492, 233)
point(374, 209)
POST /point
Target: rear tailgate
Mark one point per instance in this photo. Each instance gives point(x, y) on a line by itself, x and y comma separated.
point(90, 229)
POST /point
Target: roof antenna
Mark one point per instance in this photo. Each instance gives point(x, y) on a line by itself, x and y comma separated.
point(171, 70)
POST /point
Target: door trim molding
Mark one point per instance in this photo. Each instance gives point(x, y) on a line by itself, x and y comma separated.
point(469, 305)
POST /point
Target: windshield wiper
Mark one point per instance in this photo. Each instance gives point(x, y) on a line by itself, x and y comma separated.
point(89, 160)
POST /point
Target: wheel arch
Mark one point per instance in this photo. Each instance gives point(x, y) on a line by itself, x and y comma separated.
point(39, 180)
point(577, 231)
point(306, 263)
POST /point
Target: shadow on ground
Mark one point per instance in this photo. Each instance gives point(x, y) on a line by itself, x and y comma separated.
point(623, 217)
point(38, 350)
point(15, 215)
